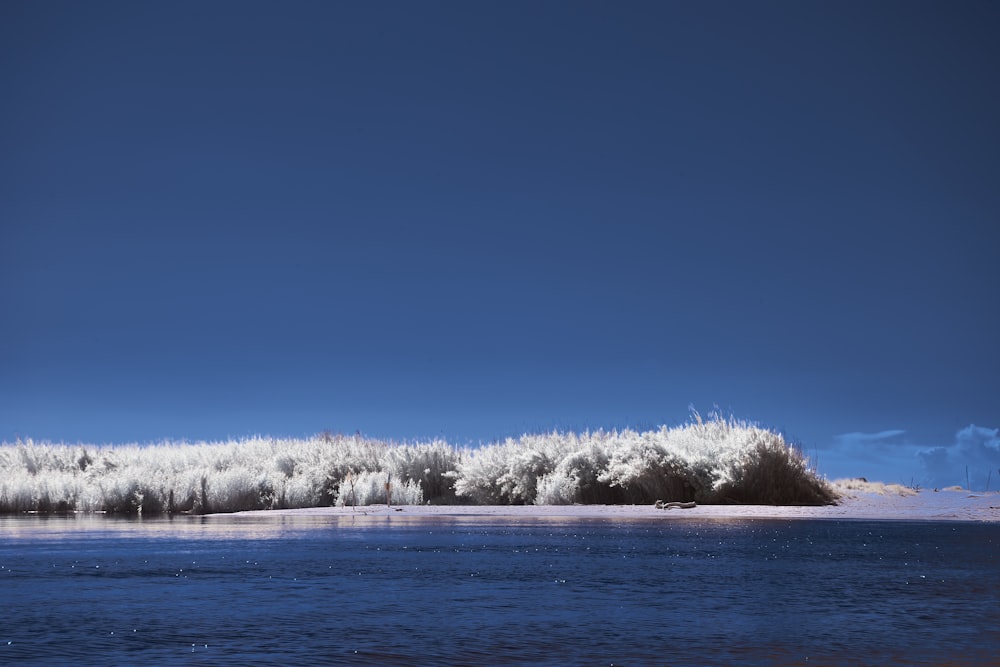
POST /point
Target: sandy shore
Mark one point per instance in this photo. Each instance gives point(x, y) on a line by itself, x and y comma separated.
point(949, 505)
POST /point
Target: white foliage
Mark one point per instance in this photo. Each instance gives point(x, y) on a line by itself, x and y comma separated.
point(508, 473)
point(709, 461)
point(369, 488)
point(576, 477)
point(558, 488)
point(432, 466)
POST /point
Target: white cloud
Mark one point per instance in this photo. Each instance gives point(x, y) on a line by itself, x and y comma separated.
point(886, 456)
point(973, 459)
point(891, 456)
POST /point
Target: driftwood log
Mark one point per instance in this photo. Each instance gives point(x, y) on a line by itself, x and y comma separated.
point(660, 505)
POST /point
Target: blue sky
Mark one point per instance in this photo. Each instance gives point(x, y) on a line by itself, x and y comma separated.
point(472, 220)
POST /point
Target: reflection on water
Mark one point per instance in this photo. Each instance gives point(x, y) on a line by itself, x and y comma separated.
point(468, 590)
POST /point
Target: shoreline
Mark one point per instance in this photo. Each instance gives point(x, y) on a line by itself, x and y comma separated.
point(948, 505)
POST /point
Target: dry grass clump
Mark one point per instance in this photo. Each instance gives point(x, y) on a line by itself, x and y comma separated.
point(862, 485)
point(709, 461)
point(772, 473)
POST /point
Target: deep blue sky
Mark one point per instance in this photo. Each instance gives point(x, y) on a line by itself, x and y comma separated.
point(476, 219)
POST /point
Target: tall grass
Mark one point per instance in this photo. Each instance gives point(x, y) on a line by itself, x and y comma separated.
point(714, 461)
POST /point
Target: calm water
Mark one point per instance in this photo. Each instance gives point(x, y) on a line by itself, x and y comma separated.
point(283, 591)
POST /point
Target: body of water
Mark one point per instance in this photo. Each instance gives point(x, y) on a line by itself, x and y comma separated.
point(273, 590)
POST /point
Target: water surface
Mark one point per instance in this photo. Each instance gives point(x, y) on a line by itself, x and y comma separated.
point(466, 590)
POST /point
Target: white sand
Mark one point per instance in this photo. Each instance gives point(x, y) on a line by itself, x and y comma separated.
point(926, 505)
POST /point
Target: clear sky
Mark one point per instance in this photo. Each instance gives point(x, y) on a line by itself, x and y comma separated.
point(472, 220)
